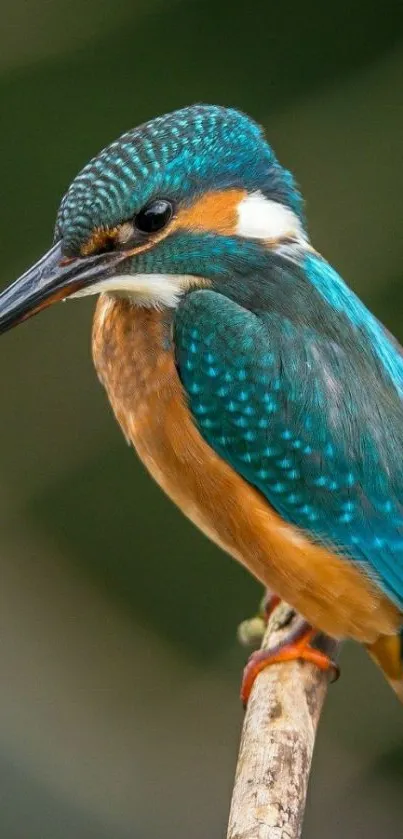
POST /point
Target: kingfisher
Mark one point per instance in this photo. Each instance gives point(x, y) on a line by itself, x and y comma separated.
point(256, 387)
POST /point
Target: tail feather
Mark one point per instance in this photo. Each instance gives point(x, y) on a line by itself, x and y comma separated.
point(387, 652)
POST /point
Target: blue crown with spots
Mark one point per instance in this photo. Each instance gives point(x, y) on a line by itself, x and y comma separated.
point(180, 156)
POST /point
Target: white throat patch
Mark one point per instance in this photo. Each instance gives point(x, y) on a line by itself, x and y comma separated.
point(261, 218)
point(159, 291)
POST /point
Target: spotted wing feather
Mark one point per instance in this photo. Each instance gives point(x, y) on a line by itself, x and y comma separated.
point(313, 422)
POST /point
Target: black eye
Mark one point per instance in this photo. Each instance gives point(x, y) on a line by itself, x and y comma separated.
point(154, 216)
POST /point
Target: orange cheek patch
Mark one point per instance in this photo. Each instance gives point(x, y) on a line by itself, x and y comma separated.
point(215, 211)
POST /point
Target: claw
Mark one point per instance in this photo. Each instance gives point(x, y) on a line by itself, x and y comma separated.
point(296, 647)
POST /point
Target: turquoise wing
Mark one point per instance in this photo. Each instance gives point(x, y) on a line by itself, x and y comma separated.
point(308, 416)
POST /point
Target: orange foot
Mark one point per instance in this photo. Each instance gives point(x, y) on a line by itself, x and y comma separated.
point(297, 647)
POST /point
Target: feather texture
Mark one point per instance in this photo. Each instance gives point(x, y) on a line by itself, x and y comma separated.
point(134, 357)
point(304, 402)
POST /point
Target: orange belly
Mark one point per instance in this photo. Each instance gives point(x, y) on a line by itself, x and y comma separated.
point(134, 360)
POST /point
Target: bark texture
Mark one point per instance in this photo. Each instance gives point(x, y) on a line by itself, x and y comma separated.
point(277, 742)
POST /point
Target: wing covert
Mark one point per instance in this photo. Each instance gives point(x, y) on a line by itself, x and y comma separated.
point(314, 426)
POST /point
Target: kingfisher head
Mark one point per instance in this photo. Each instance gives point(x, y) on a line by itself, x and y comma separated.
point(184, 200)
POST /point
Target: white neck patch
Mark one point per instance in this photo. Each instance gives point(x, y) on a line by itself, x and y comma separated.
point(261, 218)
point(154, 291)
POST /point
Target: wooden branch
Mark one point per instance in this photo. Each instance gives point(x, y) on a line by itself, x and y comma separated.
point(277, 742)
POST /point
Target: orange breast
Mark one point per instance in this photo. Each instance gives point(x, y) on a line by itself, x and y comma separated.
point(133, 355)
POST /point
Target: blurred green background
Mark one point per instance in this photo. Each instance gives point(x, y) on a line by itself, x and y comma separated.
point(119, 711)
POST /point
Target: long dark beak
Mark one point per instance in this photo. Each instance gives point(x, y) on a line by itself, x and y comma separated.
point(53, 278)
